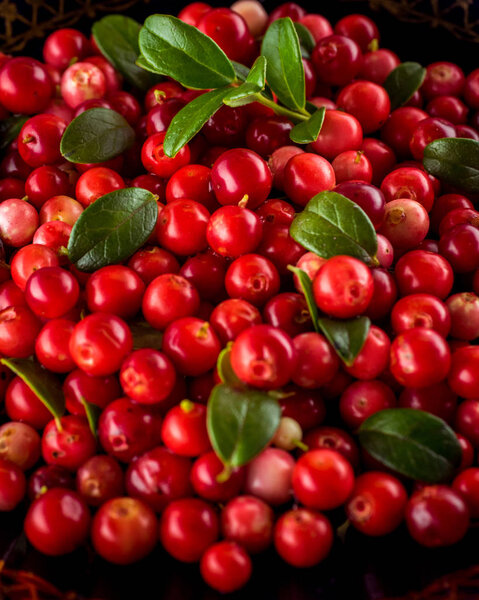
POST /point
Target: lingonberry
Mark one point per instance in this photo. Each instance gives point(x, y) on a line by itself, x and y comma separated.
point(263, 357)
point(151, 261)
point(79, 387)
point(277, 163)
point(380, 156)
point(184, 429)
point(99, 479)
point(147, 376)
point(304, 406)
point(278, 245)
point(11, 295)
point(343, 287)
point(467, 420)
point(97, 182)
point(362, 399)
point(333, 438)
point(377, 65)
point(68, 442)
point(226, 567)
point(225, 128)
point(253, 13)
point(302, 537)
point(420, 357)
point(233, 231)
point(421, 310)
point(317, 362)
point(253, 278)
point(57, 522)
point(464, 312)
point(436, 399)
point(230, 31)
point(60, 208)
point(158, 477)
point(384, 294)
point(408, 182)
point(268, 476)
point(443, 79)
point(52, 346)
point(22, 404)
point(45, 182)
point(322, 479)
point(276, 212)
point(249, 522)
point(464, 131)
point(160, 116)
point(265, 134)
point(426, 132)
point(178, 216)
point(399, 127)
point(287, 9)
point(367, 101)
point(373, 358)
point(230, 317)
point(65, 46)
point(55, 235)
point(336, 59)
point(13, 485)
point(19, 75)
point(124, 530)
point(419, 271)
point(10, 187)
point(113, 78)
point(51, 292)
point(467, 485)
point(115, 289)
point(39, 140)
point(167, 298)
point(367, 196)
point(99, 343)
point(187, 528)
point(18, 222)
point(82, 81)
point(204, 479)
point(241, 175)
point(192, 182)
point(340, 132)
point(460, 246)
point(92, 103)
point(20, 444)
point(377, 504)
point(289, 312)
point(192, 345)
point(160, 92)
point(317, 25)
point(157, 162)
point(456, 217)
point(352, 165)
point(450, 108)
point(206, 271)
point(127, 429)
point(464, 374)
point(467, 453)
point(437, 516)
point(19, 328)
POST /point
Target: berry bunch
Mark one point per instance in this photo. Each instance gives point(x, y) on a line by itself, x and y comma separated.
point(224, 311)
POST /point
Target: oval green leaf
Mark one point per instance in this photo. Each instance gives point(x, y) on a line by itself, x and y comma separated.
point(240, 423)
point(306, 40)
point(224, 368)
point(307, 287)
point(190, 119)
point(403, 81)
point(93, 413)
point(346, 337)
point(96, 135)
point(412, 442)
point(254, 83)
point(117, 38)
point(284, 69)
point(182, 52)
point(112, 228)
point(43, 383)
point(9, 130)
point(454, 161)
point(308, 131)
point(331, 224)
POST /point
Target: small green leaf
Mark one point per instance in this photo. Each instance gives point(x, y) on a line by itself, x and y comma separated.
point(93, 413)
point(347, 337)
point(307, 287)
point(255, 82)
point(182, 52)
point(43, 383)
point(224, 368)
point(412, 442)
point(308, 131)
point(112, 228)
point(96, 135)
point(306, 40)
point(331, 224)
point(117, 38)
point(240, 70)
point(191, 118)
point(403, 81)
point(145, 336)
point(241, 423)
point(284, 69)
point(454, 161)
point(9, 130)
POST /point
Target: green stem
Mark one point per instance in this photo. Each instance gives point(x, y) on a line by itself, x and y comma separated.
point(281, 110)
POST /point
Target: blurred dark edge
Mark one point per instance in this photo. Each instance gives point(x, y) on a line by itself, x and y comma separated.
point(359, 569)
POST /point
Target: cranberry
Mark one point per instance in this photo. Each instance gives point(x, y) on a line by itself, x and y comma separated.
point(25, 86)
point(340, 132)
point(99, 479)
point(303, 537)
point(437, 516)
point(22, 404)
point(57, 522)
point(226, 567)
point(115, 289)
point(124, 530)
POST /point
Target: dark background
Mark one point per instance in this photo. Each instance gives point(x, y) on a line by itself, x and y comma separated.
point(358, 568)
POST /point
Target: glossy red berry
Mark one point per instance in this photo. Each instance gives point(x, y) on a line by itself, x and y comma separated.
point(51, 292)
point(115, 289)
point(184, 429)
point(21, 74)
point(68, 443)
point(248, 521)
point(464, 374)
point(226, 567)
point(13, 485)
point(99, 479)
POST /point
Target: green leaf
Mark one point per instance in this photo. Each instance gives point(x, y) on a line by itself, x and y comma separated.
point(145, 336)
point(307, 287)
point(403, 81)
point(93, 413)
point(284, 70)
point(96, 135)
point(241, 423)
point(255, 82)
point(112, 228)
point(306, 40)
point(9, 130)
point(346, 337)
point(191, 118)
point(182, 52)
point(224, 368)
point(117, 38)
point(413, 443)
point(240, 70)
point(43, 383)
point(308, 131)
point(454, 161)
point(331, 224)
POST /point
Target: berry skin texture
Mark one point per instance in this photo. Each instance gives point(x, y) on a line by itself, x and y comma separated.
point(264, 357)
point(306, 175)
point(302, 537)
point(268, 476)
point(13, 485)
point(343, 287)
point(322, 479)
point(147, 376)
point(167, 298)
point(184, 429)
point(25, 73)
point(249, 522)
point(124, 530)
point(69, 446)
point(420, 357)
point(377, 503)
point(437, 516)
point(57, 522)
point(464, 374)
point(115, 289)
point(226, 567)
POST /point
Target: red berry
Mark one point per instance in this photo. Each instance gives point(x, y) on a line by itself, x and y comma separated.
point(226, 567)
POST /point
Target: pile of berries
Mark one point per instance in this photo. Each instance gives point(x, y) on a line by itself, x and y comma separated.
point(214, 274)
